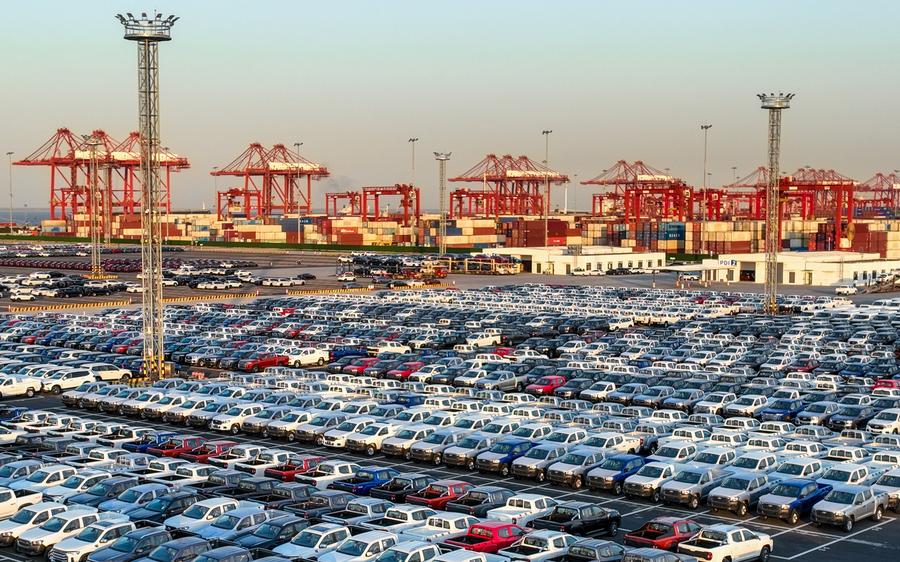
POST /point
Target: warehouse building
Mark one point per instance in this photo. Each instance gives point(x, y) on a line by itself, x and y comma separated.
point(801, 268)
point(555, 260)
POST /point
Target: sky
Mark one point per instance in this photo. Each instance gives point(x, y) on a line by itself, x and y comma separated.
point(354, 79)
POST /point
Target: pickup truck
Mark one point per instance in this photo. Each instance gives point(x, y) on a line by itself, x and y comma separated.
point(149, 441)
point(328, 472)
point(719, 543)
point(267, 458)
point(489, 536)
point(401, 486)
point(523, 508)
point(11, 501)
point(177, 446)
point(359, 510)
point(501, 455)
point(319, 503)
point(648, 481)
point(664, 533)
point(164, 507)
point(18, 386)
point(790, 499)
point(297, 464)
point(739, 492)
point(207, 451)
point(78, 547)
point(238, 453)
point(399, 518)
point(845, 505)
point(540, 546)
point(479, 500)
point(201, 513)
point(439, 493)
point(691, 485)
point(364, 480)
point(131, 546)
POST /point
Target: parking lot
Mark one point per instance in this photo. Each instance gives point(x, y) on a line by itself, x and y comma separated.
point(690, 340)
point(804, 542)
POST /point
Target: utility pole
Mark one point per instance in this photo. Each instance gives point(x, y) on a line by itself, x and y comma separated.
point(442, 158)
point(148, 33)
point(705, 129)
point(774, 103)
point(9, 158)
point(297, 146)
point(95, 206)
point(546, 133)
point(412, 143)
point(734, 174)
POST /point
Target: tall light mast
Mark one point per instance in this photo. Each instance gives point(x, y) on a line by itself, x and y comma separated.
point(774, 103)
point(148, 32)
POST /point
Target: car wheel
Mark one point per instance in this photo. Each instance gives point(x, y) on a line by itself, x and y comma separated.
point(617, 488)
point(656, 496)
point(764, 554)
point(235, 429)
point(793, 517)
point(29, 392)
point(879, 513)
point(694, 502)
point(613, 529)
point(470, 464)
point(121, 411)
point(56, 389)
point(320, 440)
point(265, 433)
point(437, 460)
point(577, 483)
point(742, 510)
point(848, 525)
point(370, 450)
point(291, 436)
point(504, 470)
point(541, 476)
point(407, 455)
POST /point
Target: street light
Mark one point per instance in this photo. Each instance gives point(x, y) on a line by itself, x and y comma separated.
point(705, 129)
point(442, 158)
point(546, 133)
point(412, 143)
point(9, 158)
point(297, 146)
point(734, 173)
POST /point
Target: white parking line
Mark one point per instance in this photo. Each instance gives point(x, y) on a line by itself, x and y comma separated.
point(648, 508)
point(837, 540)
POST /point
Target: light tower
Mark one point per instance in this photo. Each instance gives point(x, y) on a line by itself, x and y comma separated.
point(442, 158)
point(705, 129)
point(546, 133)
point(94, 207)
point(148, 33)
point(774, 103)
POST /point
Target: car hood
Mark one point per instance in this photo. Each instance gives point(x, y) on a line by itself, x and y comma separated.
point(727, 493)
point(567, 468)
point(603, 473)
point(679, 486)
point(832, 507)
point(108, 555)
point(338, 557)
point(772, 499)
point(117, 506)
point(293, 551)
point(71, 544)
point(525, 461)
point(489, 456)
point(427, 446)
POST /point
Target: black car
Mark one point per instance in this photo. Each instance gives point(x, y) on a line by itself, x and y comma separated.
point(851, 417)
point(181, 549)
point(594, 550)
point(163, 507)
point(573, 388)
point(289, 493)
point(320, 503)
point(479, 500)
point(272, 533)
point(105, 490)
point(401, 486)
point(132, 545)
point(580, 518)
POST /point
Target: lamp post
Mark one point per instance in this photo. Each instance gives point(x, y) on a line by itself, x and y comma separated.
point(734, 173)
point(412, 143)
point(9, 158)
point(705, 129)
point(546, 133)
point(92, 143)
point(442, 158)
point(297, 146)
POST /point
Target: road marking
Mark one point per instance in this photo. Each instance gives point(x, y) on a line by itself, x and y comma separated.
point(838, 540)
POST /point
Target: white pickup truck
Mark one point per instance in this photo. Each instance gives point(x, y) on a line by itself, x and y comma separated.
point(18, 386)
point(328, 472)
point(307, 356)
point(728, 542)
point(11, 501)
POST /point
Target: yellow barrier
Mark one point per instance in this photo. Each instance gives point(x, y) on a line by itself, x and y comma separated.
point(67, 306)
point(100, 276)
point(221, 296)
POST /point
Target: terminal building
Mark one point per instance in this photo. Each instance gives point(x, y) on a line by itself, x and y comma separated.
point(800, 268)
point(556, 260)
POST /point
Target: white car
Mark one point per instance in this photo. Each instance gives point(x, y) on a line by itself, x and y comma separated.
point(328, 472)
point(307, 356)
point(521, 509)
point(38, 540)
point(728, 542)
point(314, 541)
point(75, 484)
point(540, 546)
point(201, 514)
point(846, 290)
point(361, 547)
point(234, 417)
point(18, 386)
point(28, 518)
point(348, 277)
point(94, 536)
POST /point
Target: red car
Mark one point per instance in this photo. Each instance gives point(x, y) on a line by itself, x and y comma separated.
point(403, 370)
point(489, 536)
point(887, 383)
point(439, 493)
point(663, 532)
point(177, 446)
point(545, 385)
point(503, 351)
point(208, 450)
point(357, 367)
point(296, 465)
point(258, 362)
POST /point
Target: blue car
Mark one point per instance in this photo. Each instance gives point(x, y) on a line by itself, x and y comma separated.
point(501, 455)
point(411, 399)
point(613, 471)
point(9, 413)
point(364, 480)
point(781, 410)
point(149, 441)
point(790, 499)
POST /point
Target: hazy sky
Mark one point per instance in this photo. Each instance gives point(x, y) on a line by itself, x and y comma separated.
point(353, 80)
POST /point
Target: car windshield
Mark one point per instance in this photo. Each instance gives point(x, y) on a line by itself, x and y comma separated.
point(688, 477)
point(352, 548)
point(851, 411)
point(370, 430)
point(23, 516)
point(887, 416)
point(306, 538)
point(267, 531)
point(436, 438)
point(53, 524)
point(469, 443)
point(90, 534)
point(158, 505)
point(196, 511)
point(651, 471)
point(73, 482)
point(38, 476)
point(786, 490)
point(817, 408)
point(502, 448)
point(392, 556)
point(838, 496)
point(124, 544)
point(782, 405)
point(319, 421)
point(347, 426)
point(574, 458)
point(226, 522)
point(837, 475)
point(612, 464)
point(98, 490)
point(889, 480)
point(163, 554)
point(736, 483)
point(130, 496)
